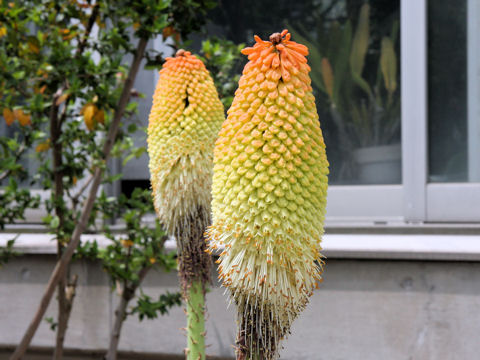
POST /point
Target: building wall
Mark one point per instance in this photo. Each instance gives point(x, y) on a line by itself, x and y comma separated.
point(365, 309)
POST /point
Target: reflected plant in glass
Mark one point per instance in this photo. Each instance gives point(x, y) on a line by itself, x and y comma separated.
point(365, 109)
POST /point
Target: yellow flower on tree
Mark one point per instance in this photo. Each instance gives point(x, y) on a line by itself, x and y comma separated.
point(269, 195)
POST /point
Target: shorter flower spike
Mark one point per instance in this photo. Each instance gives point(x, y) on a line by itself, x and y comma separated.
point(183, 125)
point(269, 195)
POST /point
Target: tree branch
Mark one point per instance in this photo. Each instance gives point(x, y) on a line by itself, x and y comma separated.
point(128, 292)
point(55, 131)
point(88, 205)
point(76, 197)
point(68, 295)
point(88, 30)
point(64, 307)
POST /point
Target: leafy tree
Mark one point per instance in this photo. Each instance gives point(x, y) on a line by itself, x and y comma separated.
point(67, 71)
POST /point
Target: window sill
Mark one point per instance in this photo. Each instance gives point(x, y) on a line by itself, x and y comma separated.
point(456, 247)
point(355, 243)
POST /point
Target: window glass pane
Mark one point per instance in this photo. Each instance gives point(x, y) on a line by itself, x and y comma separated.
point(453, 83)
point(354, 56)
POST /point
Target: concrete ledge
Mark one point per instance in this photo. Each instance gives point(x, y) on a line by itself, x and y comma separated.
point(364, 309)
point(31, 243)
point(403, 247)
point(449, 247)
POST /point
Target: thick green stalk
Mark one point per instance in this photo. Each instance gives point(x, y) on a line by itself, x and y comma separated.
point(196, 321)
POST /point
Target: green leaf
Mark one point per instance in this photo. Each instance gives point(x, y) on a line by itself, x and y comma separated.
point(113, 178)
point(127, 159)
point(362, 83)
point(340, 67)
point(18, 75)
point(139, 151)
point(132, 128)
point(360, 41)
point(54, 222)
point(13, 145)
point(131, 107)
point(388, 64)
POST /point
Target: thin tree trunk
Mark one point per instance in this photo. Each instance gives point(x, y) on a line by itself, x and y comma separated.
point(128, 293)
point(65, 304)
point(120, 312)
point(62, 321)
point(88, 205)
point(58, 194)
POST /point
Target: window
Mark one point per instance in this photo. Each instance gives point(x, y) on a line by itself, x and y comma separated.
point(440, 117)
point(448, 120)
point(355, 57)
point(402, 128)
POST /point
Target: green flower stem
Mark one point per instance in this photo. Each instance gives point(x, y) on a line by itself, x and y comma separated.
point(196, 321)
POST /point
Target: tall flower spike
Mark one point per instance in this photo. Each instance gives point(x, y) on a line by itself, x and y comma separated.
point(184, 122)
point(269, 195)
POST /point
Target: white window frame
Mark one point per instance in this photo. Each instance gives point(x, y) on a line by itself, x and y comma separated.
point(435, 202)
point(413, 40)
point(416, 200)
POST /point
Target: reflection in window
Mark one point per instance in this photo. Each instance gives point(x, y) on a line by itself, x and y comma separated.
point(354, 56)
point(447, 91)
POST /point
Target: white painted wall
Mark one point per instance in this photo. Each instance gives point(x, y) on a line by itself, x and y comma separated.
point(365, 309)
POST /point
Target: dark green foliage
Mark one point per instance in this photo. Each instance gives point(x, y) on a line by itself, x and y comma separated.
point(135, 248)
point(14, 201)
point(52, 323)
point(187, 16)
point(223, 59)
point(140, 243)
point(7, 252)
point(148, 308)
